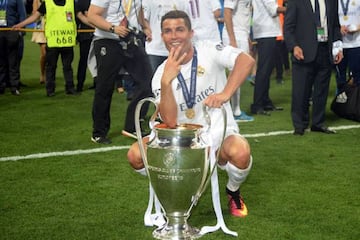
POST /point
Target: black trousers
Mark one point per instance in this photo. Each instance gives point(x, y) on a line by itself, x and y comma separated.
point(9, 59)
point(281, 59)
point(110, 58)
point(84, 46)
point(266, 51)
point(67, 57)
point(311, 80)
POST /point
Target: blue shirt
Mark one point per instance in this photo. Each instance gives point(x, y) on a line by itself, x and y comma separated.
point(15, 12)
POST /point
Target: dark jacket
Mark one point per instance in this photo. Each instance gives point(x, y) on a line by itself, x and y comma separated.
point(300, 27)
point(15, 12)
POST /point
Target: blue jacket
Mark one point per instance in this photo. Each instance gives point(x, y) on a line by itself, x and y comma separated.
point(15, 12)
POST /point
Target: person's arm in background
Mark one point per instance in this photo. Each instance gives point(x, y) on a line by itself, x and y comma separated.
point(32, 18)
point(95, 17)
point(83, 18)
point(145, 25)
point(229, 26)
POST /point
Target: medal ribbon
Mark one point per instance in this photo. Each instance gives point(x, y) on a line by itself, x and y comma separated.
point(345, 6)
point(127, 5)
point(3, 4)
point(189, 96)
point(317, 13)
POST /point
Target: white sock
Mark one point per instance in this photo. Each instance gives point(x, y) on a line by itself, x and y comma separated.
point(142, 171)
point(235, 102)
point(236, 175)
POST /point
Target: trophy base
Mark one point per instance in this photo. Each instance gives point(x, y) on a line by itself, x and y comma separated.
point(183, 232)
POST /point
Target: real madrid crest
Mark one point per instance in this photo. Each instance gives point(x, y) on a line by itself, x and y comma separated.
point(200, 71)
point(219, 46)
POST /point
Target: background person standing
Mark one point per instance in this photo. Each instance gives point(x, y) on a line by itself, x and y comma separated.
point(84, 39)
point(349, 17)
point(237, 15)
point(266, 27)
point(312, 34)
point(11, 13)
point(39, 38)
point(60, 33)
point(118, 43)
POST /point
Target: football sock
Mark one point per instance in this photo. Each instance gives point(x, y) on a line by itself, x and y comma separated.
point(236, 175)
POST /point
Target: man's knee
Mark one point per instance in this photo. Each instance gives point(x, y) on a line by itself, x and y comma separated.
point(238, 152)
point(134, 157)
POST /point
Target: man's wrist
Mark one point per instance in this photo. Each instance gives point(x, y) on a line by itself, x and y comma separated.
point(112, 29)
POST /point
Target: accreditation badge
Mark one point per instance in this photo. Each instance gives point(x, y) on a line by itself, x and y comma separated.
point(321, 34)
point(69, 16)
point(3, 18)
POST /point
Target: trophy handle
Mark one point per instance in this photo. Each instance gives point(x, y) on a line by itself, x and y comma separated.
point(208, 178)
point(138, 128)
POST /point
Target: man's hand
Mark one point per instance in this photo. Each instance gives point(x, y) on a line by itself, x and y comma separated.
point(338, 57)
point(148, 34)
point(216, 100)
point(173, 65)
point(122, 31)
point(298, 53)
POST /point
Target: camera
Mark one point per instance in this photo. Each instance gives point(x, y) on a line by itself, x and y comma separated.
point(135, 38)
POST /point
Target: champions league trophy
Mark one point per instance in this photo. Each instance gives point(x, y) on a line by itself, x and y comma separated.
point(178, 166)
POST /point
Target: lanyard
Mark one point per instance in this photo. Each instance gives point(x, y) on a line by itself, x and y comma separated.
point(345, 6)
point(3, 4)
point(189, 96)
point(127, 6)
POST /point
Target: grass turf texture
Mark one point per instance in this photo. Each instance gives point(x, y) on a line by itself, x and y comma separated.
point(299, 188)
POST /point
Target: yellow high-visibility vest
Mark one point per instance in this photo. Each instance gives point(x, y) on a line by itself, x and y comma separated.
point(60, 28)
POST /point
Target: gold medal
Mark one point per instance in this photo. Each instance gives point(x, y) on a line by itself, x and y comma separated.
point(345, 17)
point(190, 113)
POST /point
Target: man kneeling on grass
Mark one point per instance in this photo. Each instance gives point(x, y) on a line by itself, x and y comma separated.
point(212, 88)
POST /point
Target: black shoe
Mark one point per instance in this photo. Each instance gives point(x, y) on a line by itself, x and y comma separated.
point(22, 84)
point(15, 92)
point(101, 140)
point(299, 131)
point(261, 112)
point(129, 96)
point(273, 108)
point(71, 92)
point(91, 87)
point(50, 94)
point(322, 129)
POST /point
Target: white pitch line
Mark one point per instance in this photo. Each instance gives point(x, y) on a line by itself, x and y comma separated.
point(114, 148)
point(276, 133)
point(65, 153)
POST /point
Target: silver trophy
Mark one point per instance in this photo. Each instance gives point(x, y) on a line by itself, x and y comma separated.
point(178, 166)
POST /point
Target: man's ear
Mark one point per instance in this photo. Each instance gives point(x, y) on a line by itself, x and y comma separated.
point(192, 33)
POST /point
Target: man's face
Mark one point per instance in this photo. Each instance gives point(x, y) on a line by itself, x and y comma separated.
point(175, 33)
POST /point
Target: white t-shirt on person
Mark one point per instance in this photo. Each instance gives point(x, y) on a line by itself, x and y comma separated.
point(213, 59)
point(204, 24)
point(351, 40)
point(241, 17)
point(115, 11)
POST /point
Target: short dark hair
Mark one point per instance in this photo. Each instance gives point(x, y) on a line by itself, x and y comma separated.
point(177, 14)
